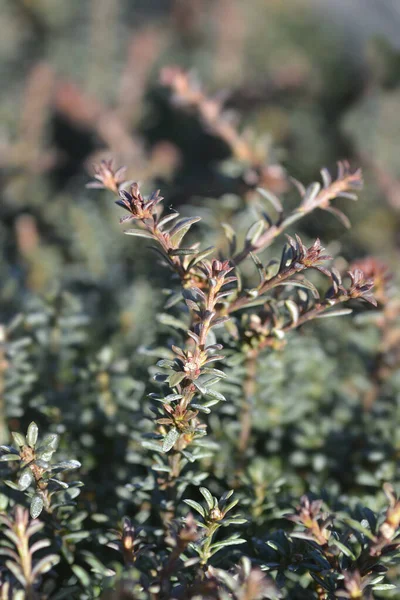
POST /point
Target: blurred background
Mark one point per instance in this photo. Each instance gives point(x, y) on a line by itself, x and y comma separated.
point(206, 99)
point(305, 83)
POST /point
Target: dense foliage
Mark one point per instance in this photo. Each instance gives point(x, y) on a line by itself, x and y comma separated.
point(207, 406)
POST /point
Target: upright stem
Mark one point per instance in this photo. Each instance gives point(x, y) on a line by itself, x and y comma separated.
point(25, 559)
point(205, 554)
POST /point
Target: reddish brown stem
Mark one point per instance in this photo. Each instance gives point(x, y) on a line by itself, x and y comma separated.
point(322, 200)
point(242, 301)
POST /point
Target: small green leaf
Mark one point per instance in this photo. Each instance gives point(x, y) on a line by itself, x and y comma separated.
point(219, 374)
point(166, 319)
point(200, 256)
point(231, 237)
point(196, 506)
point(211, 502)
point(12, 536)
point(176, 378)
point(170, 217)
point(66, 465)
point(11, 484)
point(224, 544)
point(346, 551)
point(335, 313)
point(32, 434)
point(173, 299)
point(301, 283)
point(234, 521)
point(161, 468)
point(216, 395)
point(182, 251)
point(274, 546)
point(45, 564)
point(254, 232)
point(295, 216)
point(311, 193)
point(230, 506)
point(76, 536)
point(293, 310)
point(381, 587)
point(180, 229)
point(256, 302)
point(16, 571)
point(58, 484)
point(170, 439)
point(165, 363)
point(139, 233)
point(274, 200)
point(25, 479)
point(226, 495)
point(39, 545)
point(82, 576)
point(9, 449)
point(36, 506)
point(44, 455)
point(202, 389)
point(19, 439)
point(149, 445)
point(7, 457)
point(200, 408)
point(359, 527)
point(9, 552)
point(160, 377)
point(49, 442)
